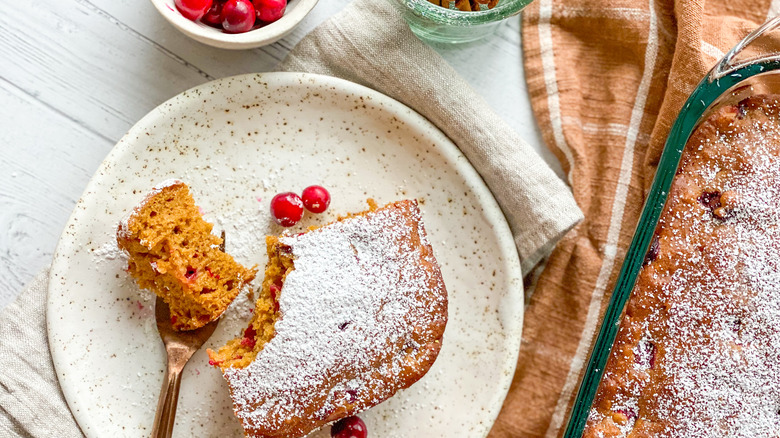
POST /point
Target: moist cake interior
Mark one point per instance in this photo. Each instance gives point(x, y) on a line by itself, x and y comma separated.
point(241, 351)
point(173, 253)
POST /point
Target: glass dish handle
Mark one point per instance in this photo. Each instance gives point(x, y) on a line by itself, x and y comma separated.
point(729, 63)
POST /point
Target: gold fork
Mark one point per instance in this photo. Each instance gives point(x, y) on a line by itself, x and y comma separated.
point(179, 346)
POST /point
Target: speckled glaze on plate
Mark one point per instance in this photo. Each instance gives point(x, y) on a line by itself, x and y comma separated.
point(237, 142)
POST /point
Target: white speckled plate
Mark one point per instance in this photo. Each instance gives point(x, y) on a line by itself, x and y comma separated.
point(237, 142)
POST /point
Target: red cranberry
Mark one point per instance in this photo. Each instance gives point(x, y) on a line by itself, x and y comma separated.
point(193, 9)
point(631, 414)
point(711, 199)
point(316, 199)
point(286, 208)
point(274, 290)
point(350, 427)
point(250, 332)
point(645, 354)
point(652, 252)
point(742, 108)
point(270, 10)
point(213, 16)
point(238, 16)
point(736, 324)
point(211, 274)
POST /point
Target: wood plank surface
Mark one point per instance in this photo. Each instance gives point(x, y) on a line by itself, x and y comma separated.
point(77, 74)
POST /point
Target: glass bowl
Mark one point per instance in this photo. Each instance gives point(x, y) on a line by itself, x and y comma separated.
point(441, 25)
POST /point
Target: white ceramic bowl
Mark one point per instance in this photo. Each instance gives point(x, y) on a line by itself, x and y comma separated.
point(296, 10)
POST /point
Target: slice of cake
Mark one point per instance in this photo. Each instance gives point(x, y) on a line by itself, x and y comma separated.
point(348, 314)
point(173, 253)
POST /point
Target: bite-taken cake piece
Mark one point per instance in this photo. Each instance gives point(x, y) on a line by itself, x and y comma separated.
point(173, 253)
point(698, 350)
point(348, 314)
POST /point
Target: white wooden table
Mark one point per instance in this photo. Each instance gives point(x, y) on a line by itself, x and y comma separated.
point(75, 75)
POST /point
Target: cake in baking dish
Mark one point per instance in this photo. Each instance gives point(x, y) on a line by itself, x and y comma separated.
point(347, 315)
point(698, 349)
point(173, 253)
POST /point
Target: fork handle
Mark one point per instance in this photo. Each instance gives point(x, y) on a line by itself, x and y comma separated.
point(166, 406)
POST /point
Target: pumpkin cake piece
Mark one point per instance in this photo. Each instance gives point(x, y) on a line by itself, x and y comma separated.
point(348, 314)
point(173, 253)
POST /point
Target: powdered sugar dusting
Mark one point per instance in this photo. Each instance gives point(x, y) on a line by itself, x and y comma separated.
point(245, 230)
point(357, 302)
point(713, 295)
point(109, 251)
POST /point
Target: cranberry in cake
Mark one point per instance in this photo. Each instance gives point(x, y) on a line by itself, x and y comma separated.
point(348, 314)
point(173, 253)
point(698, 349)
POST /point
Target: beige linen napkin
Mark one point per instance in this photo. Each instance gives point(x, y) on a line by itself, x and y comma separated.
point(31, 403)
point(367, 43)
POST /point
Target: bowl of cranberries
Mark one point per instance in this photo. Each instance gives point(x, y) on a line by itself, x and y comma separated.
point(235, 24)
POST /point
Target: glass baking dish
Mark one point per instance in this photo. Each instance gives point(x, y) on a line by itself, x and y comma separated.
point(751, 67)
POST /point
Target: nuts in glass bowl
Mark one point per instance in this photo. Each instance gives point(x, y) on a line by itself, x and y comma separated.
point(466, 5)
